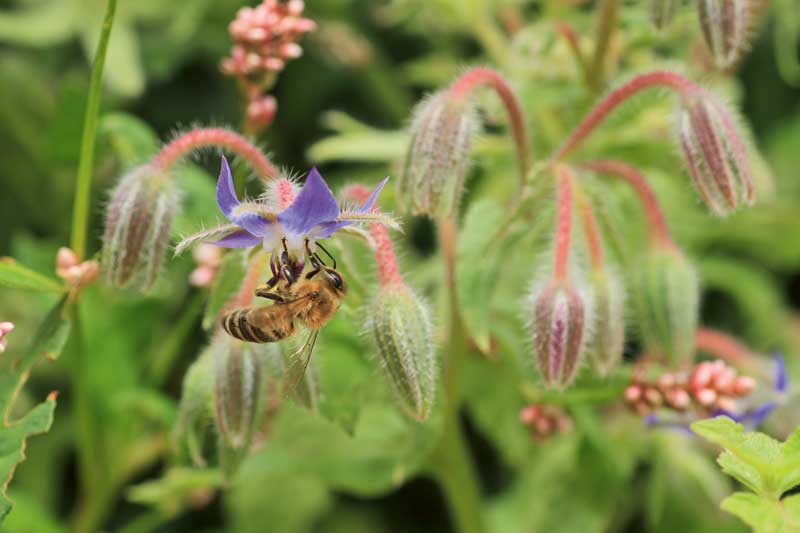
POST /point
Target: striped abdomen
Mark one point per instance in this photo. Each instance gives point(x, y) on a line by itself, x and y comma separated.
point(259, 324)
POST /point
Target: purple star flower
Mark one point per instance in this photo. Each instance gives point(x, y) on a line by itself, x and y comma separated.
point(314, 214)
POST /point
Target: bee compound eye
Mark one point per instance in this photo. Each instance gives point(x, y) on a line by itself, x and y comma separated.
point(336, 279)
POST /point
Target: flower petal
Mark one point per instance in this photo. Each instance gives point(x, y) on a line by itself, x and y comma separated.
point(228, 202)
point(781, 376)
point(314, 205)
point(226, 192)
point(238, 239)
point(366, 207)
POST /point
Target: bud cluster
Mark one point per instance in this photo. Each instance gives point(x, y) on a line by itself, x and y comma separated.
point(711, 386)
point(265, 38)
point(73, 272)
point(543, 421)
point(5, 329)
point(137, 233)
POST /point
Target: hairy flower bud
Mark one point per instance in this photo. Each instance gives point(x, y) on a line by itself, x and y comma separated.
point(559, 323)
point(400, 325)
point(247, 387)
point(726, 29)
point(667, 298)
point(661, 12)
point(608, 337)
point(442, 132)
point(715, 154)
point(195, 411)
point(138, 220)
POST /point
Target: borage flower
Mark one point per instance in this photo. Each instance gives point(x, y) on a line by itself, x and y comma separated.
point(314, 214)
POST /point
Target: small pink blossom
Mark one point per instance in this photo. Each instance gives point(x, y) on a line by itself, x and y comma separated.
point(5, 329)
point(208, 258)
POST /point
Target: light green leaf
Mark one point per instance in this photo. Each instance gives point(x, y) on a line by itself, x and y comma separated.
point(15, 276)
point(45, 24)
point(763, 515)
point(176, 490)
point(132, 139)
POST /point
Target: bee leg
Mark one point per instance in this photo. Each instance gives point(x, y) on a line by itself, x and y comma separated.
point(286, 265)
point(271, 296)
point(316, 265)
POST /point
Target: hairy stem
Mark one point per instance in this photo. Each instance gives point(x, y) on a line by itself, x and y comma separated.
point(219, 138)
point(656, 223)
point(83, 183)
point(385, 257)
point(563, 222)
point(480, 76)
point(591, 229)
point(451, 462)
point(571, 37)
point(600, 112)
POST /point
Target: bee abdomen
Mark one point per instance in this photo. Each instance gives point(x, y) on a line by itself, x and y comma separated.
point(239, 325)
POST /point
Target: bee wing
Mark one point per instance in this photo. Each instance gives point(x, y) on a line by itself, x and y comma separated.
point(298, 362)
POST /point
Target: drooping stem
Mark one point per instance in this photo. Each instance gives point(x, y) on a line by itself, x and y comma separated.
point(563, 222)
point(591, 229)
point(571, 37)
point(385, 257)
point(656, 223)
point(83, 183)
point(607, 15)
point(725, 347)
point(195, 139)
point(480, 76)
point(450, 461)
point(660, 78)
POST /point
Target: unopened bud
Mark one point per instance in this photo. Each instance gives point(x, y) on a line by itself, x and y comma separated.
point(442, 133)
point(667, 304)
point(661, 12)
point(5, 329)
point(609, 326)
point(559, 326)
point(138, 220)
point(715, 154)
point(247, 386)
point(400, 325)
point(726, 29)
point(195, 410)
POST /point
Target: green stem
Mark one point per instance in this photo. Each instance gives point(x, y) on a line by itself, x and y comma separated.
point(606, 24)
point(80, 210)
point(164, 359)
point(451, 462)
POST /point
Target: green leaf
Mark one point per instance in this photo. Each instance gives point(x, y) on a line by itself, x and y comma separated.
point(765, 516)
point(15, 276)
point(176, 490)
point(48, 342)
point(132, 139)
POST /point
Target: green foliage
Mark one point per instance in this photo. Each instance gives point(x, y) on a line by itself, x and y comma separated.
point(15, 276)
point(763, 465)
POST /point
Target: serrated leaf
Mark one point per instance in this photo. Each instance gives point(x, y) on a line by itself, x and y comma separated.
point(229, 279)
point(16, 276)
point(48, 342)
point(763, 515)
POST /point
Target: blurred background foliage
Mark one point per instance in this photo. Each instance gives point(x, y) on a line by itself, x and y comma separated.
point(343, 106)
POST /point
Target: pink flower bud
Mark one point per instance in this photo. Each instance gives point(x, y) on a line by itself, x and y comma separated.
point(5, 329)
point(726, 26)
point(559, 325)
point(715, 154)
point(744, 385)
point(633, 393)
point(442, 132)
point(260, 113)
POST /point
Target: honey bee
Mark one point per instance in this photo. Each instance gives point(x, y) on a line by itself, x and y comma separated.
point(310, 302)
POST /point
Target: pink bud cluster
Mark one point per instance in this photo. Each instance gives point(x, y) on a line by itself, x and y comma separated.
point(73, 272)
point(265, 38)
point(208, 258)
point(5, 329)
point(709, 387)
point(545, 420)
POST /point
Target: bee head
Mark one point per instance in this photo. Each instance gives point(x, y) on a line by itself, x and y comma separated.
point(335, 280)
